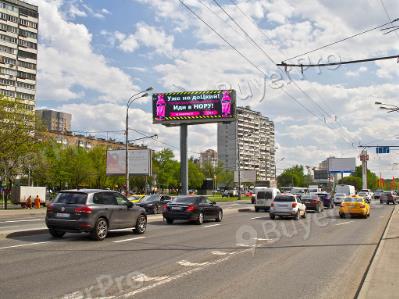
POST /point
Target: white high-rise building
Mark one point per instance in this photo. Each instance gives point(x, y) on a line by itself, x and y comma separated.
point(18, 52)
point(255, 134)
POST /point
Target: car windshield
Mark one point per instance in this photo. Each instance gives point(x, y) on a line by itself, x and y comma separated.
point(308, 197)
point(285, 198)
point(340, 194)
point(149, 198)
point(265, 195)
point(72, 198)
point(322, 195)
point(185, 199)
point(353, 199)
point(362, 193)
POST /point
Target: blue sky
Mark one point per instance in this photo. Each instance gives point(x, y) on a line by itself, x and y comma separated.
point(94, 54)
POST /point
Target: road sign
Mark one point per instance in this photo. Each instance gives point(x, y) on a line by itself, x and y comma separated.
point(382, 149)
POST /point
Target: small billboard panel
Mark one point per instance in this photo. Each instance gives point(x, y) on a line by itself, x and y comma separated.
point(247, 176)
point(341, 165)
point(139, 162)
point(188, 107)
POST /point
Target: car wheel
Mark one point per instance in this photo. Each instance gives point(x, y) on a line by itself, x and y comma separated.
point(141, 225)
point(341, 215)
point(272, 216)
point(256, 209)
point(56, 233)
point(169, 221)
point(297, 216)
point(100, 230)
point(304, 214)
point(200, 219)
point(156, 210)
point(219, 217)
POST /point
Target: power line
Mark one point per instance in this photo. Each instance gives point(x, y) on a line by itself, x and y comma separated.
point(341, 40)
point(389, 18)
point(283, 64)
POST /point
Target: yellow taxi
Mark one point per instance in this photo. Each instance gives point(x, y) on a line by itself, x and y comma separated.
point(135, 198)
point(354, 206)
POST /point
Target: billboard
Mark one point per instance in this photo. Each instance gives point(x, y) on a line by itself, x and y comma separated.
point(139, 162)
point(321, 174)
point(190, 107)
point(342, 165)
point(246, 176)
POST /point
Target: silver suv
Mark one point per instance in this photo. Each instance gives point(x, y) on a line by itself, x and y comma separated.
point(287, 205)
point(93, 211)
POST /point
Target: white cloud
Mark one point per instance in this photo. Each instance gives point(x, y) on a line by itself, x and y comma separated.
point(67, 61)
point(357, 72)
point(148, 36)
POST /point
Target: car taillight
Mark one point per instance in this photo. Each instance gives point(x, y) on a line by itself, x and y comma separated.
point(294, 204)
point(50, 208)
point(165, 207)
point(83, 210)
point(314, 200)
point(362, 206)
point(191, 208)
point(272, 205)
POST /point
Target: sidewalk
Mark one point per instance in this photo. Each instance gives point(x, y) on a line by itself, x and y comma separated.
point(382, 279)
point(22, 212)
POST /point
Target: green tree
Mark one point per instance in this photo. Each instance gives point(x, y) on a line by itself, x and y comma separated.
point(195, 175)
point(293, 176)
point(166, 169)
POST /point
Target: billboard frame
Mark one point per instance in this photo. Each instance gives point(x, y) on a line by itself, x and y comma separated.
point(131, 163)
point(188, 120)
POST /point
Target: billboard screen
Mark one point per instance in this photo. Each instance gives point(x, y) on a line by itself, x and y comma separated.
point(187, 107)
point(246, 176)
point(139, 162)
point(344, 165)
point(321, 174)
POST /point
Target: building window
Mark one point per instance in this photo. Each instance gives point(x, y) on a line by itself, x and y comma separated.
point(8, 28)
point(6, 71)
point(25, 96)
point(7, 82)
point(7, 17)
point(7, 93)
point(24, 75)
point(27, 23)
point(8, 39)
point(26, 85)
point(27, 44)
point(6, 49)
point(28, 13)
point(27, 65)
point(8, 7)
point(24, 54)
point(27, 33)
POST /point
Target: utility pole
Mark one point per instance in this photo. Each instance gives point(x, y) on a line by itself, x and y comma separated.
point(364, 157)
point(238, 162)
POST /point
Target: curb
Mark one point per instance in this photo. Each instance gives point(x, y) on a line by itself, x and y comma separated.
point(365, 284)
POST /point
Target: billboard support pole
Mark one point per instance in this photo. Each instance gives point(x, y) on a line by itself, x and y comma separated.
point(183, 160)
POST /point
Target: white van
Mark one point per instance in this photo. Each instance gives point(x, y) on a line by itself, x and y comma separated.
point(264, 197)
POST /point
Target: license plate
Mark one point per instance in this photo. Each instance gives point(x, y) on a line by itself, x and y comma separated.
point(63, 215)
point(176, 208)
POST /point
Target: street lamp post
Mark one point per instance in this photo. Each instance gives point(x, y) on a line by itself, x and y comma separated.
point(134, 97)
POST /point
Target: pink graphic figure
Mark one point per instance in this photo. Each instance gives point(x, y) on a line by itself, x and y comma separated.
point(161, 107)
point(226, 104)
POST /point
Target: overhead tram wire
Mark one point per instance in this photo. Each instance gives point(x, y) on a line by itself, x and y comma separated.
point(242, 55)
point(268, 56)
point(389, 18)
point(341, 40)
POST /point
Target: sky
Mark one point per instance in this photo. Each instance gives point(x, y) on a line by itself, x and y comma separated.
point(94, 54)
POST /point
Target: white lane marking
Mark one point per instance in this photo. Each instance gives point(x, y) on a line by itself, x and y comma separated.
point(127, 240)
point(22, 220)
point(212, 225)
point(180, 275)
point(260, 239)
point(22, 245)
point(345, 222)
point(259, 217)
point(245, 245)
point(144, 278)
point(24, 229)
point(221, 252)
point(190, 264)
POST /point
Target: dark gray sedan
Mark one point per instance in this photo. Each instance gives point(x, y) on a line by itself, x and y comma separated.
point(93, 211)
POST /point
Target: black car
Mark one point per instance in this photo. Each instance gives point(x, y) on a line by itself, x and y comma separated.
point(192, 208)
point(93, 211)
point(153, 203)
point(327, 199)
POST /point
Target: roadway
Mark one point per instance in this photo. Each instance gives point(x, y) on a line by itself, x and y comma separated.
point(245, 256)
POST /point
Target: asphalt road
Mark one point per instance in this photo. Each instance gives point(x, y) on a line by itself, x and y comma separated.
point(246, 256)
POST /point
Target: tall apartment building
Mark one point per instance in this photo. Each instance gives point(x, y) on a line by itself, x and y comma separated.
point(55, 121)
point(209, 156)
point(18, 52)
point(255, 135)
